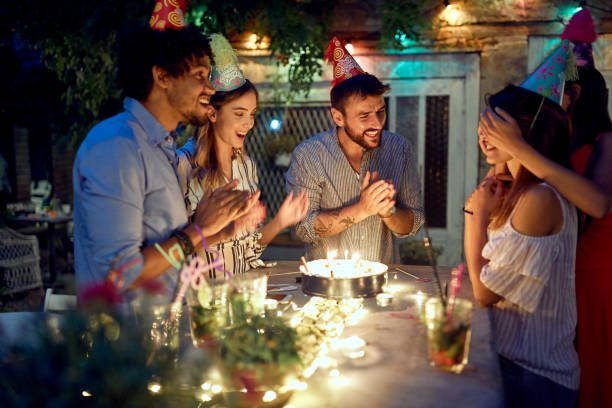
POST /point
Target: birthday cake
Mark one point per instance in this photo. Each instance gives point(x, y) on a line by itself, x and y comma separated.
point(343, 278)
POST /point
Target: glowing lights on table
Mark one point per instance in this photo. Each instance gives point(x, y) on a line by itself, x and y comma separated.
point(384, 299)
point(269, 396)
point(352, 347)
point(154, 387)
point(270, 304)
point(419, 299)
point(86, 394)
point(321, 322)
point(339, 381)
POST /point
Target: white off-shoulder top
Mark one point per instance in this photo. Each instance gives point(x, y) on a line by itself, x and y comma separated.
point(534, 324)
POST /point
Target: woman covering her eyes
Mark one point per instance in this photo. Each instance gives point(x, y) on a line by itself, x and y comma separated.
point(215, 156)
point(589, 186)
point(520, 246)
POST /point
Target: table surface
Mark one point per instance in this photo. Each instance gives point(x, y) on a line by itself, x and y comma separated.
point(395, 370)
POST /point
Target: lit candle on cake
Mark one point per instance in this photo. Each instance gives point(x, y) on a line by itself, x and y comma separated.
point(355, 259)
point(331, 255)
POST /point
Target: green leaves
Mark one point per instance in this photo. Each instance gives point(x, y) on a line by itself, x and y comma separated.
point(75, 39)
point(402, 21)
point(253, 341)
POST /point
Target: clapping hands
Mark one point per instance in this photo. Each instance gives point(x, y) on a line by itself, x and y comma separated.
point(377, 196)
point(293, 209)
point(222, 207)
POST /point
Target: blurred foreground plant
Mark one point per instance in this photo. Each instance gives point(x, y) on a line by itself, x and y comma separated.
point(95, 358)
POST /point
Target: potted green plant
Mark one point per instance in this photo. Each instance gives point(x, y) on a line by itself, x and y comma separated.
point(259, 356)
point(279, 149)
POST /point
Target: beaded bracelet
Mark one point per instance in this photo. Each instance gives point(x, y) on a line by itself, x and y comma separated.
point(184, 241)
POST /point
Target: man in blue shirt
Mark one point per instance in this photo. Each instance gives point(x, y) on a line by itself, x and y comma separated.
point(127, 196)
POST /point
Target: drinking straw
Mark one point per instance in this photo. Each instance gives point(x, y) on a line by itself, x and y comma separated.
point(455, 285)
point(430, 254)
point(432, 261)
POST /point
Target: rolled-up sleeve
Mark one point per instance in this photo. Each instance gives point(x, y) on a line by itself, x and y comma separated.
point(409, 190)
point(111, 189)
point(302, 176)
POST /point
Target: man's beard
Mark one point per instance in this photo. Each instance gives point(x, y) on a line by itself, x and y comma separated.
point(193, 119)
point(360, 138)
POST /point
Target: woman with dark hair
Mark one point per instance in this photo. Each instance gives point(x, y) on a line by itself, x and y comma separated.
point(520, 246)
point(589, 187)
point(216, 155)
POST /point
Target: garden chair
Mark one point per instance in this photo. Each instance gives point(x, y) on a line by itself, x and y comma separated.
point(19, 261)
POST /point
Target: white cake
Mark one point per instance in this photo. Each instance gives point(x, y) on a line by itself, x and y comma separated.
point(343, 268)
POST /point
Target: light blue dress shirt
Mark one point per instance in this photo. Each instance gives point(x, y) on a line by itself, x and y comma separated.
point(126, 196)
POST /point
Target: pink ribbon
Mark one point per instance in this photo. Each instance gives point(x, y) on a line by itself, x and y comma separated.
point(193, 273)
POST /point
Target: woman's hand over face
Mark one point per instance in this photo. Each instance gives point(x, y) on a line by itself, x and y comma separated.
point(501, 130)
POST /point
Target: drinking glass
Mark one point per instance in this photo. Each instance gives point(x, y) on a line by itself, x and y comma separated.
point(448, 339)
point(247, 294)
point(208, 312)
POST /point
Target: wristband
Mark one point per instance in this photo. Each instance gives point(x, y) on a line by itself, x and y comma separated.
point(184, 241)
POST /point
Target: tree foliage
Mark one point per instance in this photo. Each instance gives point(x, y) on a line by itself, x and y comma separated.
point(402, 20)
point(75, 38)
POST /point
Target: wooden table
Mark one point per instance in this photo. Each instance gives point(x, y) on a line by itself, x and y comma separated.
point(395, 371)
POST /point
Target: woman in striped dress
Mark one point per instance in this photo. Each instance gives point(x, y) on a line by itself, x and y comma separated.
point(520, 244)
point(214, 157)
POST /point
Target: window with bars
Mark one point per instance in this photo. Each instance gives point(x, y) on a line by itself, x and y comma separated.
point(287, 127)
point(436, 160)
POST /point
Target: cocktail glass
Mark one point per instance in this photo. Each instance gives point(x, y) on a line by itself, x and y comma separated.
point(448, 340)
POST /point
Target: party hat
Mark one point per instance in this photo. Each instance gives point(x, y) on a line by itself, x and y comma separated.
point(345, 66)
point(581, 32)
point(549, 78)
point(168, 14)
point(225, 75)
